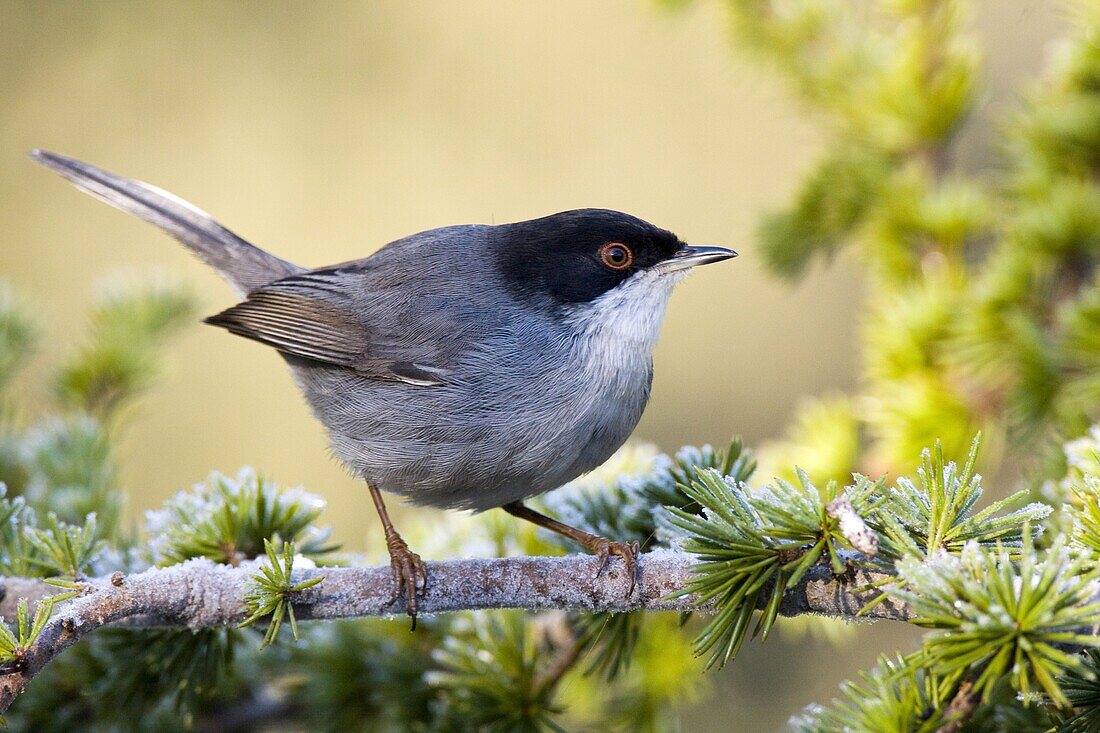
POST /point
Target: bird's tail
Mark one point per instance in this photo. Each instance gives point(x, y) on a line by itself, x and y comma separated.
point(243, 265)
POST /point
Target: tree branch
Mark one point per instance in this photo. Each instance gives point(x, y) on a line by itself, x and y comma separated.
point(199, 594)
point(962, 706)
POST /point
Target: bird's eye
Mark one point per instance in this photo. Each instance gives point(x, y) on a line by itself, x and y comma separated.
point(616, 256)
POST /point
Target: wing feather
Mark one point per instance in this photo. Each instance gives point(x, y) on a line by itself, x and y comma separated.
point(293, 322)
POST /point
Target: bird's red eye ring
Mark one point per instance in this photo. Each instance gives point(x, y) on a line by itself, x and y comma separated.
point(616, 256)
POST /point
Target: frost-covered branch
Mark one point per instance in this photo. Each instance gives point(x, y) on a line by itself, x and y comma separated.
point(200, 594)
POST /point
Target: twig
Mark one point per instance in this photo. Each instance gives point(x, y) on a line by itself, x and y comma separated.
point(199, 594)
point(562, 662)
point(962, 706)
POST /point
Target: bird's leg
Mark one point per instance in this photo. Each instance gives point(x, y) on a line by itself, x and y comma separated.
point(410, 577)
point(601, 547)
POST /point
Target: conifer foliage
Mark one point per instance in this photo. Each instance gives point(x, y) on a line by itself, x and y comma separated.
point(982, 318)
point(981, 311)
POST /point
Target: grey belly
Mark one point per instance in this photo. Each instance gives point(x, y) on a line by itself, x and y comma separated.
point(476, 444)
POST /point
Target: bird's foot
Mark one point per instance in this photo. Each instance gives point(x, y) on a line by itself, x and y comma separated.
point(410, 577)
point(601, 547)
point(605, 548)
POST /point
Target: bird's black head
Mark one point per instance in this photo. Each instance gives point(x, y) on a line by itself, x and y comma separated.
point(576, 256)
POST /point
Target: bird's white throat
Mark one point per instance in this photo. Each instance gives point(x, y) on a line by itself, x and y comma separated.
point(621, 327)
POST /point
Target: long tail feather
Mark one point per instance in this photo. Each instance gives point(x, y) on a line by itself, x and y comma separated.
point(243, 265)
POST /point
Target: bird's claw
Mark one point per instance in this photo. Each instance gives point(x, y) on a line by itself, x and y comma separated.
point(410, 576)
point(629, 552)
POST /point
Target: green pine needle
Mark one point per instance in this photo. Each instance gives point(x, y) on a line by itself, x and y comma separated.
point(898, 696)
point(937, 512)
point(610, 639)
point(1081, 686)
point(228, 520)
point(493, 677)
point(119, 361)
point(15, 551)
point(70, 469)
point(754, 545)
point(64, 549)
point(273, 592)
point(630, 510)
point(1085, 513)
point(998, 618)
point(14, 645)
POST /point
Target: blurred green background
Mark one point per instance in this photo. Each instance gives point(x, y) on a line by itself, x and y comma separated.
point(322, 131)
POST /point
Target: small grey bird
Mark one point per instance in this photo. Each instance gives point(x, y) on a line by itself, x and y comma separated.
point(467, 367)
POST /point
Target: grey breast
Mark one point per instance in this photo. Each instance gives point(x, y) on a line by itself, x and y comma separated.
point(520, 408)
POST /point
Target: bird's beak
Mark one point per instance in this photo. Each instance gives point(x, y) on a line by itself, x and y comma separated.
point(691, 255)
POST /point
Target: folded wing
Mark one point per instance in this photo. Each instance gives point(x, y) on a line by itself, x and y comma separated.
point(297, 316)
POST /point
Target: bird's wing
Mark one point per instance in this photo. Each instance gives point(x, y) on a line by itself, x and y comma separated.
point(312, 316)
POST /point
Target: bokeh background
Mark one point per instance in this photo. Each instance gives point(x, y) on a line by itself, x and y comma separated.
point(323, 131)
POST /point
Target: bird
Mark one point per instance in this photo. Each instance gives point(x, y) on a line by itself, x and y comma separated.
point(467, 367)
